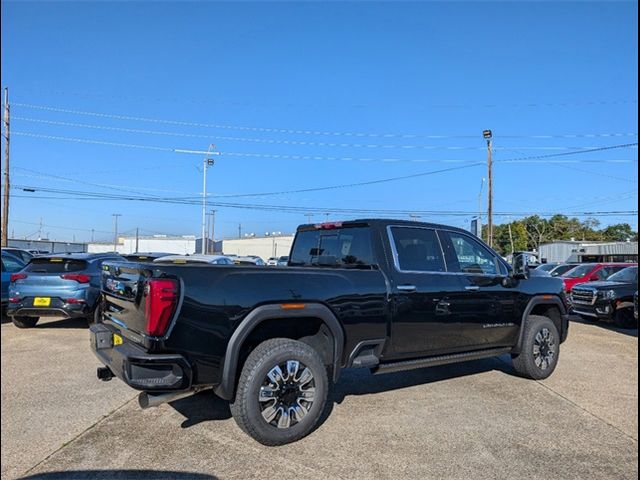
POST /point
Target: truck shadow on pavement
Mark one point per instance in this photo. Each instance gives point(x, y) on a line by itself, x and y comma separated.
point(205, 406)
point(632, 332)
point(79, 323)
point(120, 475)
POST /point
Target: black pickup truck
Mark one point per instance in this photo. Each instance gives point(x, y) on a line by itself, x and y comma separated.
point(611, 300)
point(387, 295)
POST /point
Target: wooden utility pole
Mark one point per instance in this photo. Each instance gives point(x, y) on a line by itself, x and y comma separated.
point(137, 240)
point(7, 184)
point(487, 134)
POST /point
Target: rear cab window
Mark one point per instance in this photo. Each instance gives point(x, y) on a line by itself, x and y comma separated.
point(55, 265)
point(348, 247)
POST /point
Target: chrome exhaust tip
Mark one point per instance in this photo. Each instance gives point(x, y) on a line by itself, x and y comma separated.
point(148, 400)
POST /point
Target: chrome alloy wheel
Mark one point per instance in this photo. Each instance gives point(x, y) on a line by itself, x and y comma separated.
point(286, 394)
point(544, 349)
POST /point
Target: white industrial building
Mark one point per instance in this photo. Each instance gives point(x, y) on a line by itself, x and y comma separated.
point(264, 247)
point(186, 244)
point(584, 251)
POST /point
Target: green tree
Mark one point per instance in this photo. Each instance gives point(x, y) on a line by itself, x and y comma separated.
point(620, 232)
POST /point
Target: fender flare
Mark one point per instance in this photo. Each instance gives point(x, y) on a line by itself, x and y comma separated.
point(226, 388)
point(624, 304)
point(534, 302)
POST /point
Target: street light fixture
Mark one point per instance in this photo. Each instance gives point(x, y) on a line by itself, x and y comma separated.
point(207, 162)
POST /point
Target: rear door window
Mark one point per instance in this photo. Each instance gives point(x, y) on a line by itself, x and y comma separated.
point(55, 265)
point(418, 249)
point(343, 247)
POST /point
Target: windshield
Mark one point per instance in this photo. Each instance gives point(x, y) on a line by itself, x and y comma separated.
point(628, 275)
point(546, 267)
point(343, 247)
point(560, 269)
point(55, 265)
point(579, 271)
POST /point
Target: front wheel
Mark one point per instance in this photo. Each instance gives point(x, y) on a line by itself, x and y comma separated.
point(540, 348)
point(25, 322)
point(281, 393)
point(623, 318)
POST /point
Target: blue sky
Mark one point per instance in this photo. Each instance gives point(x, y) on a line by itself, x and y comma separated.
point(303, 95)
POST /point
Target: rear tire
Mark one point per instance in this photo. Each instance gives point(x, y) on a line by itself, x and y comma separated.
point(540, 348)
point(281, 393)
point(95, 316)
point(25, 322)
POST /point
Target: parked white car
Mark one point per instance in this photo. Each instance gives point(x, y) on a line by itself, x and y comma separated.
point(210, 259)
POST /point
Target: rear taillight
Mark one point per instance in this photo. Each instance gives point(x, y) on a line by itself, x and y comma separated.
point(74, 301)
point(14, 299)
point(77, 277)
point(17, 276)
point(161, 300)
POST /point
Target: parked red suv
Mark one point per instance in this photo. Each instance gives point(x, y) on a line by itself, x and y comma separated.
point(592, 272)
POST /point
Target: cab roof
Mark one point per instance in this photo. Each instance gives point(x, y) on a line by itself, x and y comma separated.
point(378, 223)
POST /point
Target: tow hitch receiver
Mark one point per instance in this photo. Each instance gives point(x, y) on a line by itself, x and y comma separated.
point(105, 374)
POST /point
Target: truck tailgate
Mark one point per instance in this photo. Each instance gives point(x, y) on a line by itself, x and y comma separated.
point(127, 296)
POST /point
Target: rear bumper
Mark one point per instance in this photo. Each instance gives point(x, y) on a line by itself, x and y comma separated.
point(138, 368)
point(66, 311)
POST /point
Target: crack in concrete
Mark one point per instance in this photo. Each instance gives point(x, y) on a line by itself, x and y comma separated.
point(77, 437)
point(580, 407)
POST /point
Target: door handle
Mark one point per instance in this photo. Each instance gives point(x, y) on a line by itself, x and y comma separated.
point(472, 288)
point(406, 288)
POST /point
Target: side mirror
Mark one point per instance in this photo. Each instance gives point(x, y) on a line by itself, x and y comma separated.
point(521, 267)
point(594, 278)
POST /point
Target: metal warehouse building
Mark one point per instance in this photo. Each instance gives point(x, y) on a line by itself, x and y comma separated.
point(576, 251)
point(187, 244)
point(264, 247)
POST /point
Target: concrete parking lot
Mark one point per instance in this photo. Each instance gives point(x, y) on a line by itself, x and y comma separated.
point(474, 420)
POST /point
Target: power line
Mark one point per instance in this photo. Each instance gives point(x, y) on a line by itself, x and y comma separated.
point(305, 190)
point(317, 157)
point(272, 141)
point(306, 209)
point(288, 130)
point(552, 155)
point(359, 105)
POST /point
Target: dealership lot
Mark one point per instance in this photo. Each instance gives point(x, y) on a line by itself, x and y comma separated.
point(473, 420)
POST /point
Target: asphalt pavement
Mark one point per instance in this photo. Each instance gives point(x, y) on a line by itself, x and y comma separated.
point(473, 420)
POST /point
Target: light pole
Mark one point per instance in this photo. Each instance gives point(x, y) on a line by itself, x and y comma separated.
point(207, 162)
point(115, 231)
point(487, 134)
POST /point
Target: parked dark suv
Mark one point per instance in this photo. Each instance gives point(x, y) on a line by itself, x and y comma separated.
point(63, 285)
point(610, 300)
